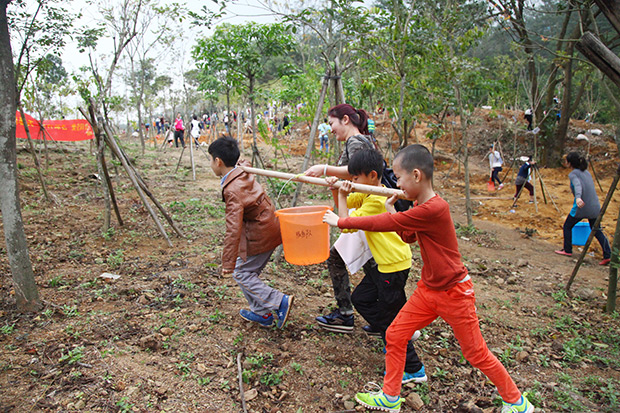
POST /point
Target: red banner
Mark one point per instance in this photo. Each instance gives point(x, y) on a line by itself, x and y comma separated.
point(54, 130)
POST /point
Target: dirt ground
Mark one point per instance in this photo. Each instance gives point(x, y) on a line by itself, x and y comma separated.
point(166, 335)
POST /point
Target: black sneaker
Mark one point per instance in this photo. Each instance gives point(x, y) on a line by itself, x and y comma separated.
point(336, 322)
point(371, 331)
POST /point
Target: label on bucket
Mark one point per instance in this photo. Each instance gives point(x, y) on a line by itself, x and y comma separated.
point(304, 233)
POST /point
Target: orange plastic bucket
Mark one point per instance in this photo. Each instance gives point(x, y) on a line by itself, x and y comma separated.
point(305, 237)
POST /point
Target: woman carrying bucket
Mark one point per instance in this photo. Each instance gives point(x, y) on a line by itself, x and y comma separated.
point(350, 125)
point(585, 205)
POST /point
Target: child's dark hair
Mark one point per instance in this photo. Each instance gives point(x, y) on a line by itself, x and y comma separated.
point(577, 161)
point(358, 117)
point(365, 161)
point(416, 157)
point(226, 149)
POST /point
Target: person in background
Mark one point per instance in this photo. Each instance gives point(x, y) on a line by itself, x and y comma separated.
point(371, 129)
point(495, 162)
point(324, 130)
point(529, 117)
point(195, 130)
point(286, 124)
point(179, 131)
point(585, 206)
point(523, 177)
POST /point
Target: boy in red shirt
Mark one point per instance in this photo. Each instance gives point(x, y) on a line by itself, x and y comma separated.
point(445, 289)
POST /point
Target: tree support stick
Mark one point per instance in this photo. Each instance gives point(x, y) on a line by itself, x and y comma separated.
point(132, 176)
point(597, 224)
point(180, 157)
point(612, 287)
point(148, 193)
point(34, 153)
point(240, 374)
point(595, 174)
point(313, 129)
point(545, 189)
point(365, 189)
point(106, 175)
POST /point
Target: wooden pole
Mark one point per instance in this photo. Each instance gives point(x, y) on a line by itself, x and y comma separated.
point(104, 168)
point(191, 155)
point(612, 287)
point(313, 129)
point(34, 153)
point(597, 224)
point(365, 189)
point(132, 176)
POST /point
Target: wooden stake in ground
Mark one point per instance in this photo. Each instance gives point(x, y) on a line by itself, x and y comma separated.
point(240, 374)
point(597, 224)
point(34, 153)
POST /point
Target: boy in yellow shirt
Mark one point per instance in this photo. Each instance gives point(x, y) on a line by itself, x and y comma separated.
point(381, 293)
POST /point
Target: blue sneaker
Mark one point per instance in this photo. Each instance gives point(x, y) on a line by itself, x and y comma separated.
point(284, 310)
point(263, 320)
point(417, 377)
point(522, 406)
point(377, 400)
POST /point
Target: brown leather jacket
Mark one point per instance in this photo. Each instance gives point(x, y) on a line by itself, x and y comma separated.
point(251, 224)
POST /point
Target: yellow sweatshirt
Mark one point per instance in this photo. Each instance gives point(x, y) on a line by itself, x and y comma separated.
point(389, 251)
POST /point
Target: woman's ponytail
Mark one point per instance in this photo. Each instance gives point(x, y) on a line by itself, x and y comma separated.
point(577, 161)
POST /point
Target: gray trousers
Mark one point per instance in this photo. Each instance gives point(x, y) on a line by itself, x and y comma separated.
point(262, 298)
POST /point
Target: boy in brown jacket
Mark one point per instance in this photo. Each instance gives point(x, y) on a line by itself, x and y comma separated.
point(252, 233)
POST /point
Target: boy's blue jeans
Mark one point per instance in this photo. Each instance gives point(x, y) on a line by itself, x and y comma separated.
point(324, 142)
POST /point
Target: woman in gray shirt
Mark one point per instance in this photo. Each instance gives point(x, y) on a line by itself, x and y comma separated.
point(586, 205)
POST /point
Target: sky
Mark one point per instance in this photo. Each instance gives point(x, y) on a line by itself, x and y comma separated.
point(173, 63)
point(239, 11)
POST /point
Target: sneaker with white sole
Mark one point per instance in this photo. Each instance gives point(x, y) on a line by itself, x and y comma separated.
point(417, 377)
point(522, 406)
point(336, 322)
point(375, 399)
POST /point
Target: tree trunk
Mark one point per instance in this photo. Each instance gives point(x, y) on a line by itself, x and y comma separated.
point(313, 128)
point(140, 125)
point(26, 293)
point(401, 103)
point(253, 122)
point(468, 208)
point(338, 89)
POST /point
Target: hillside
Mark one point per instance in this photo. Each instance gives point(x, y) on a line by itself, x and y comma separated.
point(165, 335)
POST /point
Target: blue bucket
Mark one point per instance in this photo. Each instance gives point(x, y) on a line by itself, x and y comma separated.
point(581, 232)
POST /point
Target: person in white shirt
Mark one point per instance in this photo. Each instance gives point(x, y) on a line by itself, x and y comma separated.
point(195, 130)
point(495, 162)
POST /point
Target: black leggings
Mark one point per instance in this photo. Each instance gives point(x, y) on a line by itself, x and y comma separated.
point(178, 134)
point(495, 175)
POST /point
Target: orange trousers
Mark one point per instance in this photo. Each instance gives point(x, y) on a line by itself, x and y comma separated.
point(457, 306)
